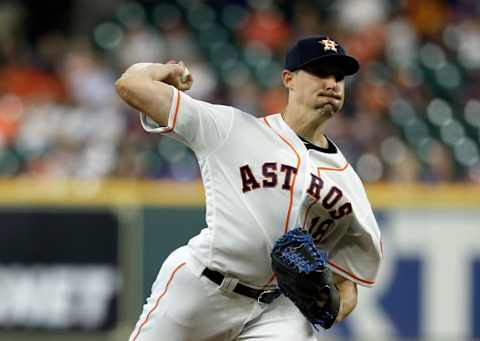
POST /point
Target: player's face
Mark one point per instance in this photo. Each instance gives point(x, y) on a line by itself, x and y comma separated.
point(320, 88)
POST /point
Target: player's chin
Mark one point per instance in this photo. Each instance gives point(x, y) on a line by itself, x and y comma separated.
point(324, 112)
point(328, 112)
point(329, 109)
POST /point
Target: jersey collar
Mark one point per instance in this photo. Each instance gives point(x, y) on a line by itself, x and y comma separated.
point(331, 148)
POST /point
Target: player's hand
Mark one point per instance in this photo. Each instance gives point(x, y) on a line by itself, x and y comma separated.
point(179, 76)
point(172, 73)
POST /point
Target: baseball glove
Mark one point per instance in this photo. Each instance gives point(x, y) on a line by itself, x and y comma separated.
point(303, 277)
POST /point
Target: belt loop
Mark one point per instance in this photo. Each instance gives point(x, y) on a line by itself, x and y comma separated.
point(228, 285)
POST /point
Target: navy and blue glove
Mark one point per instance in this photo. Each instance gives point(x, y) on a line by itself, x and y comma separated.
point(303, 277)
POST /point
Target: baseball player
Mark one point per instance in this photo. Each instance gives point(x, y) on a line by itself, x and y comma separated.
point(262, 177)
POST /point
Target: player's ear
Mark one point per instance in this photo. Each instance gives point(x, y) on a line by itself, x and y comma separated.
point(288, 79)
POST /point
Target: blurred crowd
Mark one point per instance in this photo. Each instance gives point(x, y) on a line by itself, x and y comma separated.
point(411, 114)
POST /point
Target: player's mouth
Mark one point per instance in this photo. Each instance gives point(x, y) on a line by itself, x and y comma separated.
point(330, 95)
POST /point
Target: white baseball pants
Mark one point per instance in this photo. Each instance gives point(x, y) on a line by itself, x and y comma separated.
point(186, 306)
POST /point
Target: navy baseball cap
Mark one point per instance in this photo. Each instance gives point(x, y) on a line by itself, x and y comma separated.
point(316, 50)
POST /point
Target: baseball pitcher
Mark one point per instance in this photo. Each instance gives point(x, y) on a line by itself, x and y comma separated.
point(290, 231)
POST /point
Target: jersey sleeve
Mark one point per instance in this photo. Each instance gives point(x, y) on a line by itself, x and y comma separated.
point(200, 125)
point(358, 254)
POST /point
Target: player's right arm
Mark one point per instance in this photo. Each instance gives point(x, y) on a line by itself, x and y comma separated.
point(145, 87)
point(157, 92)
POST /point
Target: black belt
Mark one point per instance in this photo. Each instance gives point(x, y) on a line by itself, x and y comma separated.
point(262, 296)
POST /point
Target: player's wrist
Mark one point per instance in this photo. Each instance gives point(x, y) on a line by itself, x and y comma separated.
point(341, 312)
point(340, 307)
point(150, 71)
point(163, 72)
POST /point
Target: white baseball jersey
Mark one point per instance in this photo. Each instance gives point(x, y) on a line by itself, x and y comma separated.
point(261, 179)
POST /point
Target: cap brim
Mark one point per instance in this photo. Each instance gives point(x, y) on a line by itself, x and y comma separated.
point(347, 64)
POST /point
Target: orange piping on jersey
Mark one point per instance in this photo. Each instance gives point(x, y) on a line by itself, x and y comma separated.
point(333, 169)
point(158, 300)
point(307, 211)
point(292, 189)
point(287, 219)
point(330, 262)
point(177, 107)
point(350, 274)
point(309, 207)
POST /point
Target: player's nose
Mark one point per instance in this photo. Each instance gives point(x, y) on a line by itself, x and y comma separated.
point(329, 82)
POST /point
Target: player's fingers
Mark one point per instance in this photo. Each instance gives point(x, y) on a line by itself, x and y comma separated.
point(186, 84)
point(179, 76)
point(176, 70)
point(187, 78)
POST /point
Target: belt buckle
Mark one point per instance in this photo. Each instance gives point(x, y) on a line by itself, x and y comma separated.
point(268, 296)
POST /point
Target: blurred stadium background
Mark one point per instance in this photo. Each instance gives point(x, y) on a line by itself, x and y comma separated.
point(90, 204)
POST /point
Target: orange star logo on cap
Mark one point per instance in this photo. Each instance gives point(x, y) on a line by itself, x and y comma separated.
point(328, 44)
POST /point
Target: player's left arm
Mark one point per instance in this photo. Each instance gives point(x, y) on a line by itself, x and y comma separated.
point(348, 293)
